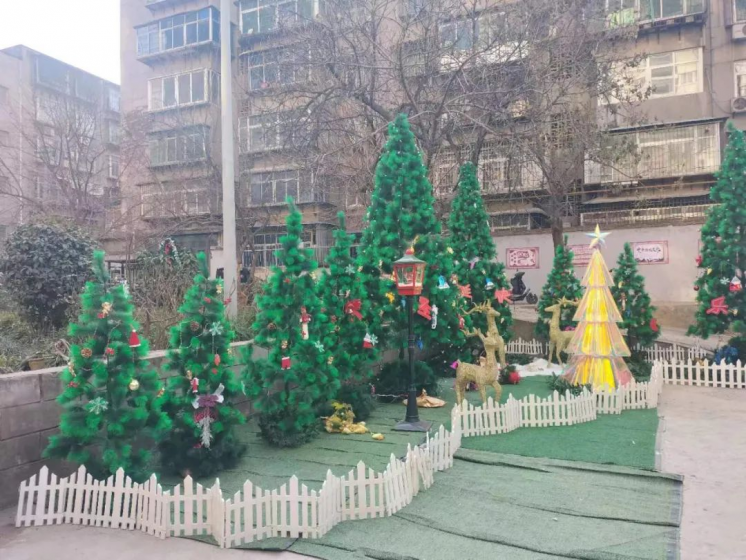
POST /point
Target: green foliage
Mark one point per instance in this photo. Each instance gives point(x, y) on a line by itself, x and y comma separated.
point(203, 439)
point(561, 282)
point(633, 301)
point(338, 288)
point(401, 214)
point(639, 367)
point(45, 266)
point(724, 245)
point(287, 398)
point(519, 359)
point(359, 396)
point(393, 379)
point(474, 248)
point(110, 403)
point(563, 386)
point(163, 276)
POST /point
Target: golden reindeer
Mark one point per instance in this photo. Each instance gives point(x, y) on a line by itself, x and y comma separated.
point(487, 374)
point(558, 339)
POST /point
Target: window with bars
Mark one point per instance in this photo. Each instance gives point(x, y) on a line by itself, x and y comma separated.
point(273, 187)
point(264, 16)
point(113, 167)
point(267, 69)
point(664, 152)
point(180, 90)
point(179, 31)
point(111, 132)
point(113, 99)
point(270, 131)
point(662, 9)
point(266, 244)
point(187, 145)
point(739, 10)
point(490, 35)
point(739, 70)
point(181, 202)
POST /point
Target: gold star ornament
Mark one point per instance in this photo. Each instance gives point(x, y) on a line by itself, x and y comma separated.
point(597, 236)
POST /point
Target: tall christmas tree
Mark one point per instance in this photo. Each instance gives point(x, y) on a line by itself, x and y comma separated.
point(720, 292)
point(201, 393)
point(630, 296)
point(472, 242)
point(561, 283)
point(299, 373)
point(401, 214)
point(597, 347)
point(354, 348)
point(111, 400)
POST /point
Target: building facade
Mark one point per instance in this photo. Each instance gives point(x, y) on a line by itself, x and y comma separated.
point(59, 142)
point(690, 64)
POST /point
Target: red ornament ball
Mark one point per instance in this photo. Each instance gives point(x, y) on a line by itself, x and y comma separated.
point(208, 300)
point(514, 378)
point(696, 288)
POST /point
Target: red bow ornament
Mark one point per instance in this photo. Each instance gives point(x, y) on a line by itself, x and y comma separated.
point(352, 307)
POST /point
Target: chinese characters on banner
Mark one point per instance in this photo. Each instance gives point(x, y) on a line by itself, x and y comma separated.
point(581, 254)
point(651, 252)
point(522, 257)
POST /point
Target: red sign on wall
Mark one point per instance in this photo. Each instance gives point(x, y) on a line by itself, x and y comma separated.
point(581, 255)
point(522, 257)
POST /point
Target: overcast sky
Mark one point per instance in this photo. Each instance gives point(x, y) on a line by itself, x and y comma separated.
point(84, 33)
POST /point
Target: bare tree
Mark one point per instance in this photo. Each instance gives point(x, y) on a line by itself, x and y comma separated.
point(520, 88)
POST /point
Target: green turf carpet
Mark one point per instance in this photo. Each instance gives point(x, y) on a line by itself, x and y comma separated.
point(508, 507)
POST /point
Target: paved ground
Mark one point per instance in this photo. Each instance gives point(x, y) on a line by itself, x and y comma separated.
point(703, 439)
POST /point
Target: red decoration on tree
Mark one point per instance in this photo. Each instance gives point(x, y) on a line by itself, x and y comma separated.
point(73, 384)
point(305, 318)
point(735, 285)
point(699, 260)
point(195, 384)
point(514, 378)
point(424, 308)
point(109, 351)
point(465, 291)
point(718, 306)
point(216, 359)
point(461, 322)
point(285, 362)
point(654, 325)
point(134, 339)
point(352, 307)
point(207, 300)
point(502, 295)
point(100, 315)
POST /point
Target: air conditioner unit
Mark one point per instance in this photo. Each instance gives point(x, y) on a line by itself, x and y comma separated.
point(739, 32)
point(738, 104)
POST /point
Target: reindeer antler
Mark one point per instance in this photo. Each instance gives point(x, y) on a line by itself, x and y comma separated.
point(473, 332)
point(479, 308)
point(564, 302)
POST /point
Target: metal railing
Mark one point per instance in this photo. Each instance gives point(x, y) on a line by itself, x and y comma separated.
point(694, 212)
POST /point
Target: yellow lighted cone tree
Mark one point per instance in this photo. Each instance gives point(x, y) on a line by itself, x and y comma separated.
point(597, 347)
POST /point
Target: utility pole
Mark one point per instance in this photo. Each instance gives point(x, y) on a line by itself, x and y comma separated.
point(230, 265)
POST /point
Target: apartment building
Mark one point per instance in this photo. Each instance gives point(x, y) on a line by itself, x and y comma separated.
point(59, 141)
point(692, 66)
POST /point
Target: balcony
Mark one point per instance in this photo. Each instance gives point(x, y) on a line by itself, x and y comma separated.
point(154, 5)
point(262, 18)
point(178, 35)
point(655, 15)
point(634, 217)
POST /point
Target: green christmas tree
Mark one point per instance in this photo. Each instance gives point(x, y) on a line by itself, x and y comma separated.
point(720, 295)
point(201, 394)
point(475, 250)
point(401, 215)
point(344, 302)
point(111, 400)
point(299, 374)
point(633, 302)
point(561, 283)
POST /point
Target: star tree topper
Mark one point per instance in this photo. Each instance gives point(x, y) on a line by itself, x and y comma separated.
point(597, 237)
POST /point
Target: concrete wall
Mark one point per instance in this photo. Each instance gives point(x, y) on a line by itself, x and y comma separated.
point(667, 283)
point(29, 414)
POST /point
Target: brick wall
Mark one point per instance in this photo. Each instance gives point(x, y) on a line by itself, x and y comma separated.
point(29, 414)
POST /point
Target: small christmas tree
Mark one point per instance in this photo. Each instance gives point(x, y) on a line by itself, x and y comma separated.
point(561, 283)
point(720, 292)
point(402, 214)
point(111, 400)
point(346, 305)
point(597, 347)
point(630, 296)
point(474, 248)
point(201, 392)
point(299, 373)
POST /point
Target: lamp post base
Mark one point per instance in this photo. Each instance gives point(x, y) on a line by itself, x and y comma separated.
point(419, 426)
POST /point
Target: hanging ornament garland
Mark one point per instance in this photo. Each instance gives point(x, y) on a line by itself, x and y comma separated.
point(206, 414)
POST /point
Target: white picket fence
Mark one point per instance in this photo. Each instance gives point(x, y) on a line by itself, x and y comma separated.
point(528, 347)
point(702, 373)
point(292, 510)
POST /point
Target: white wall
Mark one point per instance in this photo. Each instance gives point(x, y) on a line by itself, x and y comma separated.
point(671, 282)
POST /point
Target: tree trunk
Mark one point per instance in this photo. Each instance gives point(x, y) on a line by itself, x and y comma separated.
point(557, 233)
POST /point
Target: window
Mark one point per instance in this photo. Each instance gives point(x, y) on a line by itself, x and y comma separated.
point(189, 88)
point(260, 133)
point(166, 203)
point(113, 166)
point(664, 152)
point(179, 146)
point(113, 99)
point(266, 69)
point(739, 13)
point(266, 244)
point(491, 34)
point(739, 68)
point(263, 16)
point(87, 87)
point(273, 187)
point(663, 75)
point(621, 12)
point(51, 73)
point(662, 9)
point(179, 31)
point(111, 132)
